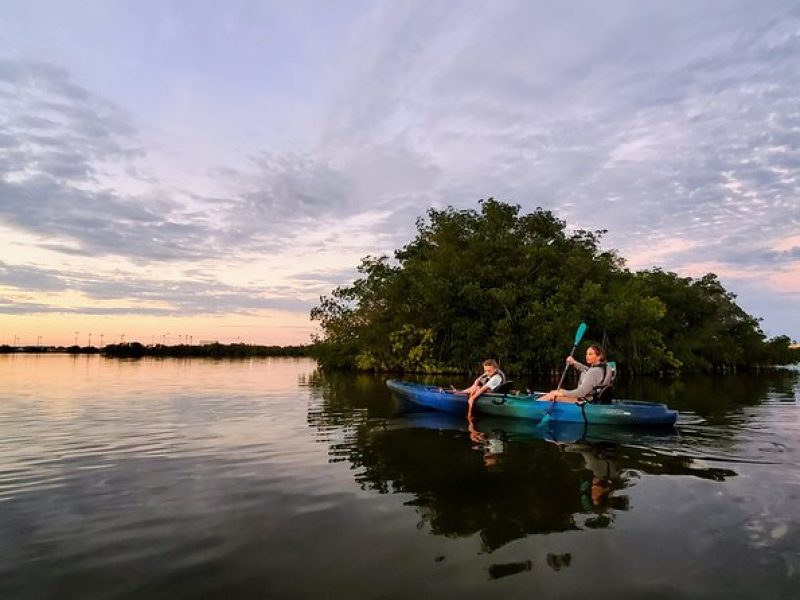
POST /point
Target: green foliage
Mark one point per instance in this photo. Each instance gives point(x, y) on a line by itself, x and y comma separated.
point(497, 283)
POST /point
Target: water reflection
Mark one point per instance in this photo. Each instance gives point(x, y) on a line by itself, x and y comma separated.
point(456, 494)
point(187, 479)
point(501, 483)
point(497, 479)
point(715, 398)
point(599, 459)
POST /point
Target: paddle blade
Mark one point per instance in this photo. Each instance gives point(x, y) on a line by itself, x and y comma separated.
point(579, 334)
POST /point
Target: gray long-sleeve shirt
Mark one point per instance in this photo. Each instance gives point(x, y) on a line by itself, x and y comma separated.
point(591, 377)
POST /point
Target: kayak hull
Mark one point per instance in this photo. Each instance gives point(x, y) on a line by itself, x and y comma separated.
point(529, 406)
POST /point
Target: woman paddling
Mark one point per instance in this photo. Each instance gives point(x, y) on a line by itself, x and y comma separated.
point(595, 377)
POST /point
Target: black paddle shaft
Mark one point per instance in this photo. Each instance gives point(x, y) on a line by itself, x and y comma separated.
point(564, 374)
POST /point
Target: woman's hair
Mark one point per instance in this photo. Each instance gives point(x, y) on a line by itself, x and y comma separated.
point(490, 362)
point(598, 349)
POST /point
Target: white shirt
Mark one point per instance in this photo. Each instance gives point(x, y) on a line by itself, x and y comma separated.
point(494, 381)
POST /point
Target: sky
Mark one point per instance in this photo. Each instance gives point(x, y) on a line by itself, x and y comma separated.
point(198, 170)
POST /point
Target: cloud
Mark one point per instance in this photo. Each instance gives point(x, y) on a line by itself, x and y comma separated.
point(673, 126)
point(675, 129)
point(30, 278)
point(122, 293)
point(190, 297)
point(63, 148)
point(56, 142)
point(50, 120)
point(9, 306)
point(100, 222)
point(694, 145)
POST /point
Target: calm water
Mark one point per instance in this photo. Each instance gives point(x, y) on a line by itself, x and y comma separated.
point(266, 479)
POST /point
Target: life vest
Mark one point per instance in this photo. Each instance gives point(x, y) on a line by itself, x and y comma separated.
point(602, 394)
point(484, 379)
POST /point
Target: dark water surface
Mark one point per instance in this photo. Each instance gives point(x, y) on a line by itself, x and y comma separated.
point(267, 479)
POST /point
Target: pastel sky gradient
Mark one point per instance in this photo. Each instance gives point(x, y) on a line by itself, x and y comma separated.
point(209, 169)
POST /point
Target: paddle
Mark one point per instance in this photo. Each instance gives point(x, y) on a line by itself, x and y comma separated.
point(578, 337)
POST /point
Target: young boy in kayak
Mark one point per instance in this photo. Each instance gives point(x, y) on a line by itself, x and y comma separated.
point(593, 377)
point(491, 379)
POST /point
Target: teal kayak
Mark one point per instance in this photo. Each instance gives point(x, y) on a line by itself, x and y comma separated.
point(529, 406)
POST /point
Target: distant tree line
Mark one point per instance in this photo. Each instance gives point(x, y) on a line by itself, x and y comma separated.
point(136, 350)
point(497, 283)
point(6, 349)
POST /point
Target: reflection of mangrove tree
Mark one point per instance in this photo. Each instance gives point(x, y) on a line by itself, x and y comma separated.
point(500, 485)
point(714, 397)
point(343, 396)
point(497, 283)
point(456, 494)
point(506, 486)
point(502, 480)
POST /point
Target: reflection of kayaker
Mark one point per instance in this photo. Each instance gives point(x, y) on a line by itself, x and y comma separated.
point(601, 460)
point(491, 446)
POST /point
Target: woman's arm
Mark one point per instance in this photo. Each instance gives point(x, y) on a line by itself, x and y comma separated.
point(584, 383)
point(577, 364)
point(590, 379)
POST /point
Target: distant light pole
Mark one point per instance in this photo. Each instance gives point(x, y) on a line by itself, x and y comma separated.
point(101, 340)
point(90, 340)
point(168, 338)
point(39, 341)
point(121, 338)
point(76, 338)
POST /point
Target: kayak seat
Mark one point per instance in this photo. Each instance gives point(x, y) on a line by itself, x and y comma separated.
point(603, 396)
point(504, 388)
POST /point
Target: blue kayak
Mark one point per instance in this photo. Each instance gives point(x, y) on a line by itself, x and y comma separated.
point(529, 406)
